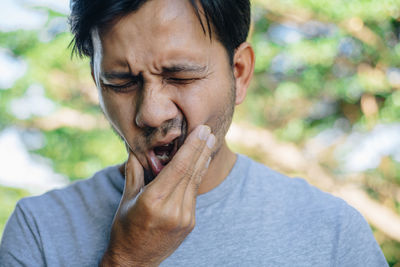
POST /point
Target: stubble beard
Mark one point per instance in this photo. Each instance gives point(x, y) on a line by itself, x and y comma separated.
point(219, 129)
point(224, 119)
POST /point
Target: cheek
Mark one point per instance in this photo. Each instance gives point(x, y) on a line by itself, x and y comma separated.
point(109, 105)
point(204, 104)
point(193, 103)
point(119, 110)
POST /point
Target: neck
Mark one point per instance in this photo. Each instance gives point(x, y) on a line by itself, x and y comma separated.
point(220, 167)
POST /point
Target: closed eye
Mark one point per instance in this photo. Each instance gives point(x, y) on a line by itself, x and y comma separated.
point(181, 81)
point(122, 88)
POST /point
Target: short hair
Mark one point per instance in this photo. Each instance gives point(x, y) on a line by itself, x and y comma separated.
point(228, 19)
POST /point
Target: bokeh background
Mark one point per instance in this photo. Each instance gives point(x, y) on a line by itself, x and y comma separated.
point(324, 104)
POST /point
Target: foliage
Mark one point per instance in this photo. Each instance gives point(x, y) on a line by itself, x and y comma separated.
point(318, 60)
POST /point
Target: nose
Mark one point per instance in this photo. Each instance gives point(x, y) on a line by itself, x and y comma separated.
point(155, 107)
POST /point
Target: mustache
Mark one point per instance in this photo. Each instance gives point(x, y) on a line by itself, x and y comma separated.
point(149, 133)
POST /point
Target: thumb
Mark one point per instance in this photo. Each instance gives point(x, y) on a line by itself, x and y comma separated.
point(134, 177)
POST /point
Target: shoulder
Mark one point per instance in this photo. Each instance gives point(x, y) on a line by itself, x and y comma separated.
point(283, 190)
point(294, 200)
point(102, 185)
point(78, 208)
point(79, 215)
point(311, 217)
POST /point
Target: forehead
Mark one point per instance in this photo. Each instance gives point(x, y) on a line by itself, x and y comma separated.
point(159, 30)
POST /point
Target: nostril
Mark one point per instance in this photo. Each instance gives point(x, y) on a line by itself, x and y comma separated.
point(137, 121)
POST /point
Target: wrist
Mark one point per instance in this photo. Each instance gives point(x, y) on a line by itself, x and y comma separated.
point(117, 259)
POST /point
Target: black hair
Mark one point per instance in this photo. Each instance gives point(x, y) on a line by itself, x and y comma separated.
point(228, 19)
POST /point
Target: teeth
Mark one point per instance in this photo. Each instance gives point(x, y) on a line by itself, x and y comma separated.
point(163, 152)
point(167, 145)
point(164, 157)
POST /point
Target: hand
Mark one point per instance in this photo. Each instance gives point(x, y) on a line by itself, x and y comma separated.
point(149, 227)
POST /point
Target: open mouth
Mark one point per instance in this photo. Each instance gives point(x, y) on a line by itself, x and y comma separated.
point(160, 156)
point(166, 152)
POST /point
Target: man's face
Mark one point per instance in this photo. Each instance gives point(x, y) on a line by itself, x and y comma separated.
point(160, 77)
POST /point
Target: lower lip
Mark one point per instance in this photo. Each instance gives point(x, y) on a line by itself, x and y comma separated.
point(155, 163)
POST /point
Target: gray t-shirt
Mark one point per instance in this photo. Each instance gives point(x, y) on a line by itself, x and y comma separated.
point(256, 217)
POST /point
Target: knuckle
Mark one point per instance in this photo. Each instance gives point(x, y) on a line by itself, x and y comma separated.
point(201, 174)
point(196, 184)
point(172, 219)
point(177, 221)
point(195, 146)
point(148, 207)
point(183, 168)
point(187, 220)
point(192, 224)
point(197, 177)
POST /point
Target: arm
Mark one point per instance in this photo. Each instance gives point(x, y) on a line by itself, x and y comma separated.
point(149, 228)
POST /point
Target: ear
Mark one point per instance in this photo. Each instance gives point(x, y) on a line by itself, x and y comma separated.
point(243, 68)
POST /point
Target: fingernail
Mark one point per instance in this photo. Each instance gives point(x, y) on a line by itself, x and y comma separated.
point(211, 141)
point(204, 132)
point(208, 162)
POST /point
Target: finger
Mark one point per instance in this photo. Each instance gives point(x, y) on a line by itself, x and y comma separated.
point(201, 169)
point(186, 190)
point(134, 177)
point(182, 165)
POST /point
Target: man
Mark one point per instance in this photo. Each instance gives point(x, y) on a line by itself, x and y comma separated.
point(169, 73)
